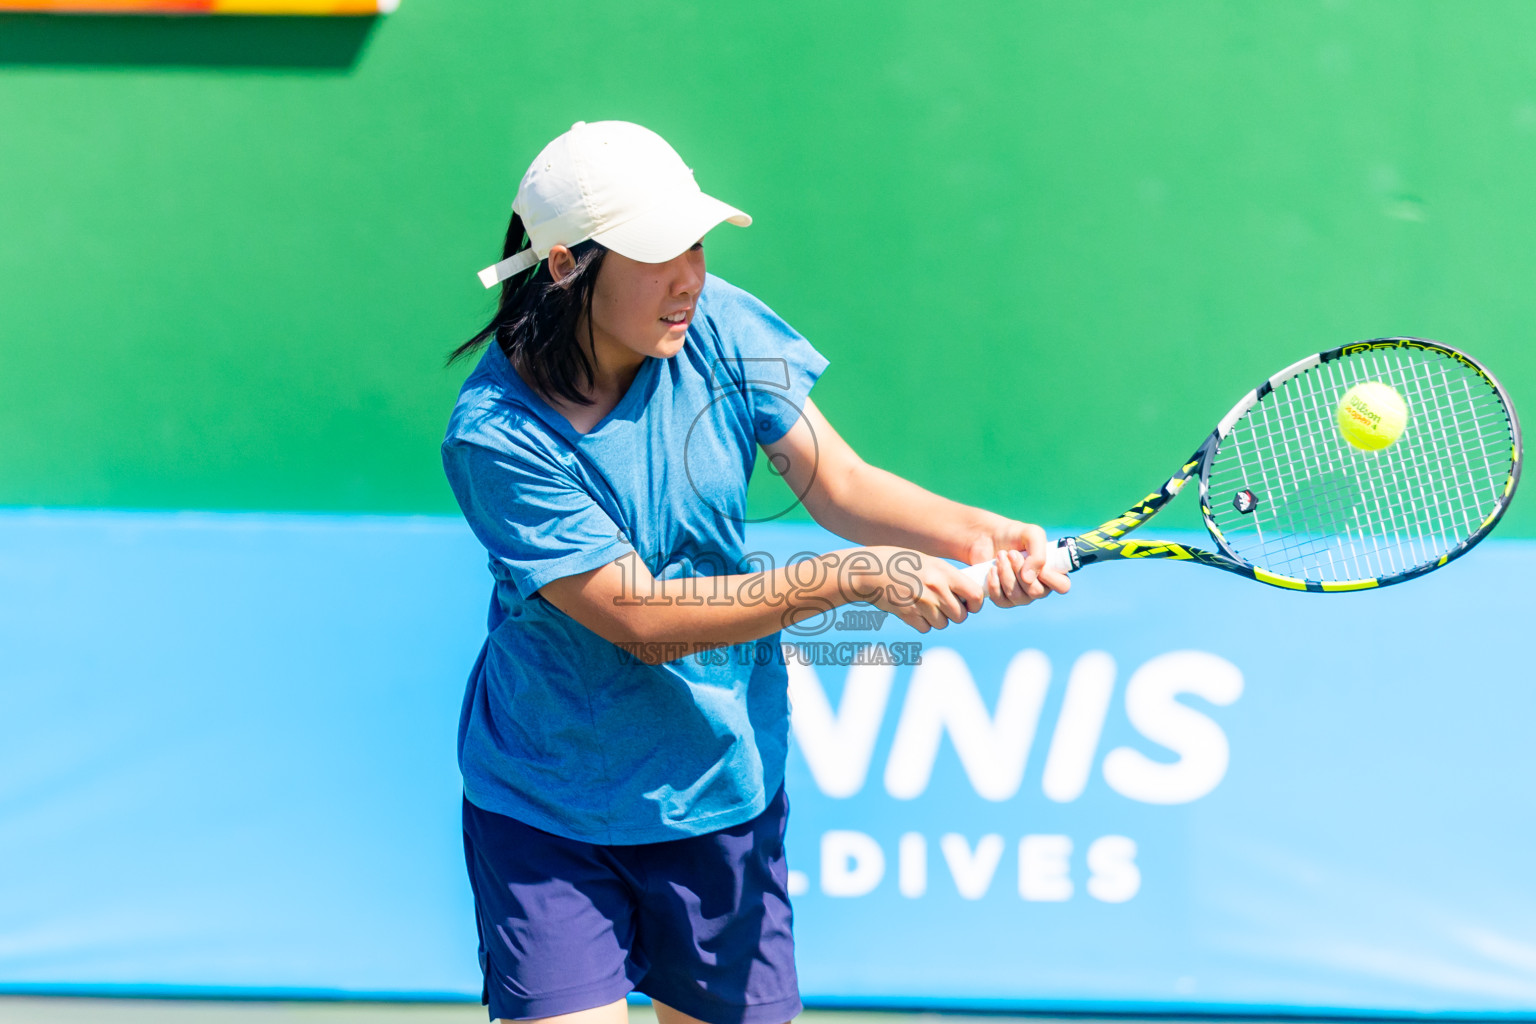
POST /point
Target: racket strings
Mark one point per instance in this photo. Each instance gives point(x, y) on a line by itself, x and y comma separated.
point(1329, 511)
point(1371, 507)
point(1401, 493)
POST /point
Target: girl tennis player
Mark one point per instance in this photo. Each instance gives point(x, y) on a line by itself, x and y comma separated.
point(624, 731)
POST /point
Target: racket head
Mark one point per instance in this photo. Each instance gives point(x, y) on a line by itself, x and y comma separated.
point(1283, 492)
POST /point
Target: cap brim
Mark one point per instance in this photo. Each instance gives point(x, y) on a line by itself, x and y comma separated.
point(669, 229)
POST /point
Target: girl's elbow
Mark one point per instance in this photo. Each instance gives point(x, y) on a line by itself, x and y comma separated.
point(641, 637)
point(834, 495)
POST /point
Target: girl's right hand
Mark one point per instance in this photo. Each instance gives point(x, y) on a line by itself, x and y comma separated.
point(921, 590)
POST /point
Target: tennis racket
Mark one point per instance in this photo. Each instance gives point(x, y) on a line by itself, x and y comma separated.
point(1289, 502)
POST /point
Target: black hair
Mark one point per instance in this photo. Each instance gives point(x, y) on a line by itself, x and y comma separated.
point(537, 319)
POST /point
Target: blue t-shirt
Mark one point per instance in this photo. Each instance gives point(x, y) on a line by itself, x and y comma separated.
point(561, 729)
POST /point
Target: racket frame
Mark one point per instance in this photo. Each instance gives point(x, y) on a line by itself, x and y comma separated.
point(1108, 542)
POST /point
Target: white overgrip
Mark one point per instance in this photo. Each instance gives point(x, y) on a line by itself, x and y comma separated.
point(1057, 558)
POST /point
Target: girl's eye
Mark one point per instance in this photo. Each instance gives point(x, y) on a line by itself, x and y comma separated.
point(696, 246)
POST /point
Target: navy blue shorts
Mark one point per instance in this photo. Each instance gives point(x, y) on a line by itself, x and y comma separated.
point(701, 924)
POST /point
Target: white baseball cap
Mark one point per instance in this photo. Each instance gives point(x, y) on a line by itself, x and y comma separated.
point(618, 184)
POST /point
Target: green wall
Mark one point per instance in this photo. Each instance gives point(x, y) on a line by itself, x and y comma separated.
point(233, 255)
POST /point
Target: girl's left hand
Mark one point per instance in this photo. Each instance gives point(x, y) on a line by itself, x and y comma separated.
point(1017, 551)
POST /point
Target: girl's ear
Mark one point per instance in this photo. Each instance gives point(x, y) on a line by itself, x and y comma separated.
point(561, 262)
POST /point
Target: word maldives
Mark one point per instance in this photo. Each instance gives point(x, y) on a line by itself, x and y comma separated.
point(804, 652)
point(854, 864)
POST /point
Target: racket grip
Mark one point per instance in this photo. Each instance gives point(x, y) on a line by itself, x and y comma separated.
point(1059, 558)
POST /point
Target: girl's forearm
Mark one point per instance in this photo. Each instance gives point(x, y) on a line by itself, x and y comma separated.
point(871, 506)
point(659, 620)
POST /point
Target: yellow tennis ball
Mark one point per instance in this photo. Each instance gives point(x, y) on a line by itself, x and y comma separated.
point(1372, 415)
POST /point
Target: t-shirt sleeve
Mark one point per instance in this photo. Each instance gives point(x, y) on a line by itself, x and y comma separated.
point(761, 354)
point(534, 520)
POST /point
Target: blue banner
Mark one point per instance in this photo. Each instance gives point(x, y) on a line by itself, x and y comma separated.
point(226, 765)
